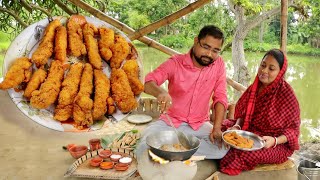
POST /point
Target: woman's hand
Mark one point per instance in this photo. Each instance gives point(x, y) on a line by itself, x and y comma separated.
point(270, 141)
point(165, 101)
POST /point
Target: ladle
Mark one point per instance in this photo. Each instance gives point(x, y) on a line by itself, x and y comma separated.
point(183, 139)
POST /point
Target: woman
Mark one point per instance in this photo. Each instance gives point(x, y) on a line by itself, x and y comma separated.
point(268, 108)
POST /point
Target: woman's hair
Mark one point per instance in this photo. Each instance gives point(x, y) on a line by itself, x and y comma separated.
point(277, 54)
point(211, 30)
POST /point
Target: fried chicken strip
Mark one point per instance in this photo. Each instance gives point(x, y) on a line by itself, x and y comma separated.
point(111, 106)
point(19, 72)
point(89, 30)
point(45, 49)
point(136, 85)
point(132, 70)
point(82, 106)
point(121, 91)
point(105, 42)
point(49, 90)
point(69, 90)
point(120, 50)
point(75, 35)
point(36, 80)
point(101, 93)
point(61, 44)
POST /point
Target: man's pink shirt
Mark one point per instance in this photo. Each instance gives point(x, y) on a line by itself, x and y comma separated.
point(191, 88)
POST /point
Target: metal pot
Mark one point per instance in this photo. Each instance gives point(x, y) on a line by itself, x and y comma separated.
point(307, 170)
point(157, 139)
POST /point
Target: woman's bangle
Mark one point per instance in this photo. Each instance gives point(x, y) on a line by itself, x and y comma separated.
point(237, 125)
point(276, 142)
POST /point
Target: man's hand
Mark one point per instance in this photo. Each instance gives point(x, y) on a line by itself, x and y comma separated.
point(216, 136)
point(165, 101)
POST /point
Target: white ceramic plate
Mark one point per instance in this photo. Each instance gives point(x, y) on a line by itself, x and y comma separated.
point(24, 45)
point(257, 140)
point(139, 118)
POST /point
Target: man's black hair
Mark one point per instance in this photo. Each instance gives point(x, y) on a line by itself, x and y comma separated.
point(211, 30)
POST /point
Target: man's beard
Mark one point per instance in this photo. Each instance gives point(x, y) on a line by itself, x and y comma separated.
point(201, 61)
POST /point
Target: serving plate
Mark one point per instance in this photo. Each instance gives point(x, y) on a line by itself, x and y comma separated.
point(258, 142)
point(25, 44)
point(139, 118)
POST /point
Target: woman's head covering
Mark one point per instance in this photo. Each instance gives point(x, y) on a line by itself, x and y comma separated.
point(252, 90)
point(272, 98)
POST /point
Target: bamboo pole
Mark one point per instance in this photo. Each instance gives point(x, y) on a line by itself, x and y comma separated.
point(284, 27)
point(168, 19)
point(64, 7)
point(124, 28)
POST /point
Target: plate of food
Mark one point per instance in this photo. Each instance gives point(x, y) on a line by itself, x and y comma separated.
point(243, 140)
point(72, 73)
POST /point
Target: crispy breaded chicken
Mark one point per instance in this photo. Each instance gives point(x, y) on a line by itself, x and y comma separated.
point(121, 91)
point(89, 30)
point(120, 50)
point(45, 50)
point(19, 72)
point(75, 35)
point(61, 44)
point(101, 93)
point(132, 70)
point(36, 80)
point(69, 90)
point(111, 106)
point(136, 85)
point(105, 42)
point(49, 90)
point(82, 106)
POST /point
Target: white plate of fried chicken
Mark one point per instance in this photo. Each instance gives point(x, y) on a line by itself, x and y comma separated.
point(70, 73)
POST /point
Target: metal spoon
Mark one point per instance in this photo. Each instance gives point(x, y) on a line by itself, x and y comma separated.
point(183, 139)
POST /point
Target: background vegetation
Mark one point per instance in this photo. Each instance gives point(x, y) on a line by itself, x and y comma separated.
point(303, 27)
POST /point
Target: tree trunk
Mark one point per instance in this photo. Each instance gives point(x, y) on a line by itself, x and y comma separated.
point(261, 31)
point(241, 73)
point(284, 28)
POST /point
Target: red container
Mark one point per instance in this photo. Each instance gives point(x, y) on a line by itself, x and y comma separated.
point(106, 165)
point(94, 144)
point(95, 162)
point(105, 154)
point(78, 151)
point(121, 167)
point(115, 157)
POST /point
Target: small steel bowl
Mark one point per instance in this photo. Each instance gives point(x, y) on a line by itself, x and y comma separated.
point(157, 139)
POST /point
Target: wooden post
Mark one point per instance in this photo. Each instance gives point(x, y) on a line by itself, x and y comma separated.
point(284, 27)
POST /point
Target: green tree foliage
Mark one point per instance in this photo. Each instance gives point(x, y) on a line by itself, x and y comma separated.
point(15, 15)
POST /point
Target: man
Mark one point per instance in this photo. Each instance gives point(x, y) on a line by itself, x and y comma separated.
point(194, 79)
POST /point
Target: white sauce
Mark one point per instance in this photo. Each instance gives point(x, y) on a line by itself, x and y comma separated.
point(125, 160)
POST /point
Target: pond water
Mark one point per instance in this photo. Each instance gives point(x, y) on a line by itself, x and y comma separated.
point(303, 75)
